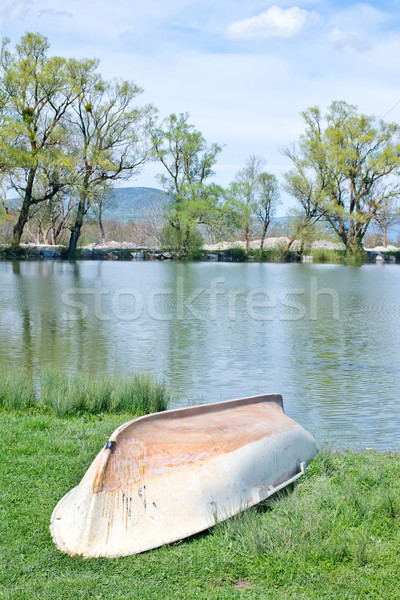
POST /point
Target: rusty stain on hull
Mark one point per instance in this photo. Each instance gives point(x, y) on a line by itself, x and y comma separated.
point(165, 476)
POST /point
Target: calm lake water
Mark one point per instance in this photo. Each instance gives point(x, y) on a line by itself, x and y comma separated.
point(326, 337)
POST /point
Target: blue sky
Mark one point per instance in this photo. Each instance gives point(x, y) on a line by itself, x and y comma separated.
point(243, 70)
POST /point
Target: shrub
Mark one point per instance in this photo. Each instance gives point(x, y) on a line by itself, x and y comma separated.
point(238, 254)
point(177, 241)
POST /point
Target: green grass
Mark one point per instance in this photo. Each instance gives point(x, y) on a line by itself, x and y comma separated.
point(268, 254)
point(16, 390)
point(66, 394)
point(322, 255)
point(335, 534)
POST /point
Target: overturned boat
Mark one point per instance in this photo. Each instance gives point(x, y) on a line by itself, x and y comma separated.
point(166, 476)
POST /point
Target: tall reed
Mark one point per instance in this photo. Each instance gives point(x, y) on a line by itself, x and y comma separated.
point(66, 394)
point(16, 389)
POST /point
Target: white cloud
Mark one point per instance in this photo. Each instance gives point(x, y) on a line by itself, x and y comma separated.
point(49, 12)
point(347, 41)
point(16, 10)
point(248, 100)
point(275, 22)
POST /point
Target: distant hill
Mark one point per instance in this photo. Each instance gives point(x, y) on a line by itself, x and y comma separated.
point(125, 204)
point(134, 203)
point(138, 203)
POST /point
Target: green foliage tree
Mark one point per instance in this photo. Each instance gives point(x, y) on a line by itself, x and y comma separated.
point(188, 162)
point(175, 239)
point(342, 170)
point(111, 141)
point(254, 195)
point(243, 192)
point(304, 230)
point(305, 189)
point(37, 92)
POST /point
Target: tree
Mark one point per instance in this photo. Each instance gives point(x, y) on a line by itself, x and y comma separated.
point(37, 91)
point(243, 191)
point(306, 191)
point(342, 171)
point(387, 215)
point(53, 218)
point(267, 199)
point(110, 141)
point(188, 161)
point(97, 205)
point(254, 194)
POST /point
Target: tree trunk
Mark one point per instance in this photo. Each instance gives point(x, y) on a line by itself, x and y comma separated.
point(354, 245)
point(51, 236)
point(290, 242)
point(57, 231)
point(24, 212)
point(42, 238)
point(185, 242)
point(76, 230)
point(263, 233)
point(247, 241)
point(101, 227)
point(19, 226)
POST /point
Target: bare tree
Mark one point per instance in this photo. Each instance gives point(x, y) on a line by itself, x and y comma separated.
point(387, 216)
point(267, 200)
point(53, 218)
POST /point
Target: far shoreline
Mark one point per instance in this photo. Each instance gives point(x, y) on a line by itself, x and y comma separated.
point(275, 250)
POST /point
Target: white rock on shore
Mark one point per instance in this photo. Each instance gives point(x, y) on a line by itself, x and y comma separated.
point(269, 242)
point(272, 242)
point(111, 246)
point(388, 248)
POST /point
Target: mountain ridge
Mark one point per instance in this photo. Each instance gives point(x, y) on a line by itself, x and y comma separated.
point(133, 203)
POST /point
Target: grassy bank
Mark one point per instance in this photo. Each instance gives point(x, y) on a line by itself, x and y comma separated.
point(335, 534)
point(66, 394)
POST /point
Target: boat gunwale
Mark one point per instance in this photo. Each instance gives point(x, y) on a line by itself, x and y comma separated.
point(198, 410)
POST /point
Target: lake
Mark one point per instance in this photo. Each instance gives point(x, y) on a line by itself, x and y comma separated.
point(326, 337)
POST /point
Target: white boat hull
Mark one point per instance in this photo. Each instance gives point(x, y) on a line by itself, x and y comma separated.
point(167, 476)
